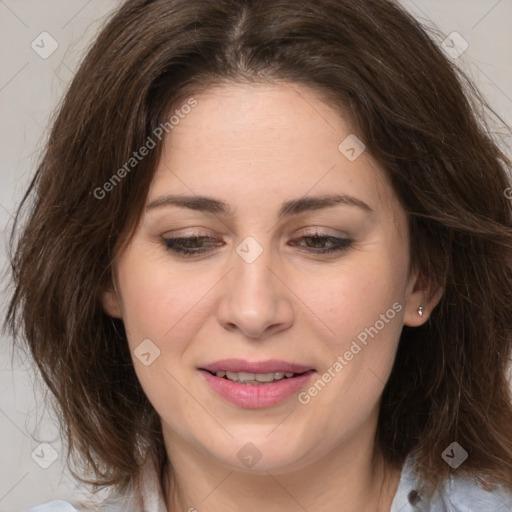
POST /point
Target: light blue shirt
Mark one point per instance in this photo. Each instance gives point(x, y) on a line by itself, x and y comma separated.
point(459, 494)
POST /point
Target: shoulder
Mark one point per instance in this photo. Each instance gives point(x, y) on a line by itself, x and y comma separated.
point(145, 495)
point(111, 503)
point(465, 494)
point(458, 494)
point(54, 506)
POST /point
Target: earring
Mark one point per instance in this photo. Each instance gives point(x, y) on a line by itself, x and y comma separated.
point(420, 310)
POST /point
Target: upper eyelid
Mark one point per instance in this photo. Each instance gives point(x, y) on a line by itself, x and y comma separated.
point(204, 231)
point(316, 234)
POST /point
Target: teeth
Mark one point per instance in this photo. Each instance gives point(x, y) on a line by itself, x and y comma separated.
point(259, 377)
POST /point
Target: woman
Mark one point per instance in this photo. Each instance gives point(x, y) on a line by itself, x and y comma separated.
point(268, 265)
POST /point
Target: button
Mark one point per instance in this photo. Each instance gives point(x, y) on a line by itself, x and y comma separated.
point(414, 497)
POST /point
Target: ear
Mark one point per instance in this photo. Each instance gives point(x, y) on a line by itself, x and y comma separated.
point(111, 302)
point(420, 293)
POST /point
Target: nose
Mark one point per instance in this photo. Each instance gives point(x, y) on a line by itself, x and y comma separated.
point(256, 300)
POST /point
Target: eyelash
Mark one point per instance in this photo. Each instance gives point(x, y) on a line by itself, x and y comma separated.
point(172, 244)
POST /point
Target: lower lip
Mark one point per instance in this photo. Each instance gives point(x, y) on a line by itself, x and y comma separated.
point(252, 396)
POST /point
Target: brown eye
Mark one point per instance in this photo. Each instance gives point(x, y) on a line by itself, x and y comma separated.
point(188, 246)
point(324, 243)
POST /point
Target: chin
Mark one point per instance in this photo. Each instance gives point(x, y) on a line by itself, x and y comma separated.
point(261, 453)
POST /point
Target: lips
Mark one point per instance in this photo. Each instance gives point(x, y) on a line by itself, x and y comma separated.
point(256, 384)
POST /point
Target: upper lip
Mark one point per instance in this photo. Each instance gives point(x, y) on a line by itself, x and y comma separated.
point(242, 365)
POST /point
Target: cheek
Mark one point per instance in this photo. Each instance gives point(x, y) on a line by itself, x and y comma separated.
point(157, 301)
point(355, 295)
point(358, 312)
point(160, 314)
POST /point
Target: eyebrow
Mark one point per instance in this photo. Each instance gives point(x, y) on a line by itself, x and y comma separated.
point(288, 208)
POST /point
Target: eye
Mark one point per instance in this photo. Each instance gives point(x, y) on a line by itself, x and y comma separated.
point(188, 246)
point(316, 243)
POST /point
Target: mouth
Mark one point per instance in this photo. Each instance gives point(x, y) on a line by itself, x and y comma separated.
point(255, 379)
point(256, 384)
point(255, 372)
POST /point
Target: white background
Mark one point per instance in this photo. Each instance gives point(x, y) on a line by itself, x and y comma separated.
point(30, 87)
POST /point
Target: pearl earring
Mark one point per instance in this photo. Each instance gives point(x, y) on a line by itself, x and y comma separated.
point(420, 310)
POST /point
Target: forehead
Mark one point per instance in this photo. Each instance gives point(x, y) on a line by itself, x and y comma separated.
point(280, 116)
point(251, 141)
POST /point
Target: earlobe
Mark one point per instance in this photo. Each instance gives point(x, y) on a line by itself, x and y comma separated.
point(416, 313)
point(420, 303)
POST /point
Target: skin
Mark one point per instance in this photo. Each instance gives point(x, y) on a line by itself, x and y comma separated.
point(253, 147)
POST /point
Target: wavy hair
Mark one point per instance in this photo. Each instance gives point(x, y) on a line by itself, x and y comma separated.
point(420, 118)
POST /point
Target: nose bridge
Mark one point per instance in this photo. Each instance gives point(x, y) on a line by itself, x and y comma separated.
point(254, 298)
point(252, 263)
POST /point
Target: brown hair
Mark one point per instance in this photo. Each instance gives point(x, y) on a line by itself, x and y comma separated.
point(419, 118)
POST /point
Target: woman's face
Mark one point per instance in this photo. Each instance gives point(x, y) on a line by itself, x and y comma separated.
point(264, 291)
